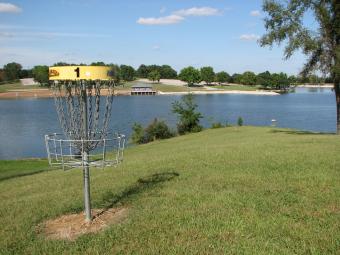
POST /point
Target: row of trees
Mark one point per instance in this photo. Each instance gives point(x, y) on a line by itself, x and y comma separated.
point(14, 71)
point(266, 79)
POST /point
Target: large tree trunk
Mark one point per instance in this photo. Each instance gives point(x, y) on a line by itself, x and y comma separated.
point(337, 98)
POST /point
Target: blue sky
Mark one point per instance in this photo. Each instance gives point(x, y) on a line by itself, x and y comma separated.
point(219, 33)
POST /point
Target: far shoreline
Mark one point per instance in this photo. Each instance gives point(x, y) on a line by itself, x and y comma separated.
point(47, 93)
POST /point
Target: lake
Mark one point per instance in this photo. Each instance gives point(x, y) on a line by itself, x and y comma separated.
point(24, 122)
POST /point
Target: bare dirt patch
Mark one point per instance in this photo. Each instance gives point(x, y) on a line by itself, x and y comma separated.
point(71, 226)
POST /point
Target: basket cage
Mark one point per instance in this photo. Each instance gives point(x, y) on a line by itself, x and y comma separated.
point(68, 153)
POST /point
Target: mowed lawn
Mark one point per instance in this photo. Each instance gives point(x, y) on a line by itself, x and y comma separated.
point(236, 190)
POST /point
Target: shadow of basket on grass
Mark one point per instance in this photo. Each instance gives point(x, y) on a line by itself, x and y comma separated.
point(143, 184)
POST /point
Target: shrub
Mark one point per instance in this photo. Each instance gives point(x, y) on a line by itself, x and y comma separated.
point(157, 130)
point(188, 117)
point(217, 125)
point(154, 131)
point(240, 121)
point(137, 134)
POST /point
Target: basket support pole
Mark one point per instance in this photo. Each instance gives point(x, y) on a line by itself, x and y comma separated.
point(85, 158)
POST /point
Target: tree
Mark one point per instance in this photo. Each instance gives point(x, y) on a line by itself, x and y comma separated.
point(280, 81)
point(207, 74)
point(190, 75)
point(167, 72)
point(142, 71)
point(285, 23)
point(127, 73)
point(235, 78)
point(12, 71)
point(222, 77)
point(248, 78)
point(154, 76)
point(264, 79)
point(40, 74)
point(98, 64)
point(2, 75)
point(188, 117)
point(26, 73)
point(114, 73)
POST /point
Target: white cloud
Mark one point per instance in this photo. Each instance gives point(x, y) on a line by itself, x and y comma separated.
point(249, 37)
point(167, 20)
point(255, 13)
point(198, 11)
point(178, 16)
point(156, 47)
point(11, 8)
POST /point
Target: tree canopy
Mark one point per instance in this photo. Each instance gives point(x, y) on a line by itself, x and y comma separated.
point(154, 76)
point(12, 71)
point(190, 75)
point(40, 74)
point(222, 77)
point(285, 24)
point(127, 73)
point(207, 74)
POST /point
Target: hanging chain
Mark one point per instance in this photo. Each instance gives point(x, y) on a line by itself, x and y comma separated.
point(69, 102)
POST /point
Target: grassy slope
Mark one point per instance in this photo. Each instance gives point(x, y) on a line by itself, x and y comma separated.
point(233, 190)
point(15, 168)
point(9, 86)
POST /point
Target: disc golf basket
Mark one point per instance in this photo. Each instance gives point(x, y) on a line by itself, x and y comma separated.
point(84, 114)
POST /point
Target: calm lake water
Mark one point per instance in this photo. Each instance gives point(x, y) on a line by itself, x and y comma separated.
point(24, 122)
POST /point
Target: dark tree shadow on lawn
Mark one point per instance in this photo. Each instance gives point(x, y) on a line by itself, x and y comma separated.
point(298, 132)
point(143, 184)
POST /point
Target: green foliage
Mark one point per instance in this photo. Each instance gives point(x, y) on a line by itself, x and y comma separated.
point(236, 78)
point(166, 71)
point(137, 135)
point(190, 75)
point(217, 125)
point(248, 78)
point(240, 121)
point(98, 64)
point(207, 74)
point(26, 73)
point(115, 73)
point(154, 76)
point(40, 74)
point(189, 118)
point(222, 77)
point(12, 71)
point(156, 130)
point(264, 79)
point(127, 73)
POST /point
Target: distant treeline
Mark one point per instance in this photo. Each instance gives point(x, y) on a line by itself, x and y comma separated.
point(14, 71)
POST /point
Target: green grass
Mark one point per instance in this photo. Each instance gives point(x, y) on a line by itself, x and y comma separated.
point(237, 190)
point(16, 168)
point(17, 85)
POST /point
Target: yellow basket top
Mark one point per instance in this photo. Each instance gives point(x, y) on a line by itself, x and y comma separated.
point(79, 73)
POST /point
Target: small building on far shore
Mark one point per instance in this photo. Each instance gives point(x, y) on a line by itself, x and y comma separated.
point(142, 89)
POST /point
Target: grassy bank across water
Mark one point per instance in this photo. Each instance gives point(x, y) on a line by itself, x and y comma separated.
point(236, 190)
